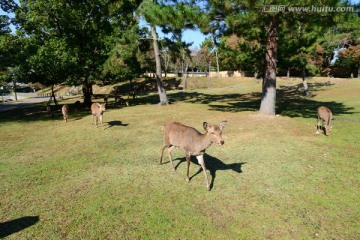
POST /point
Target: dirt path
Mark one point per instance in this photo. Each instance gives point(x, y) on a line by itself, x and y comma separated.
point(5, 106)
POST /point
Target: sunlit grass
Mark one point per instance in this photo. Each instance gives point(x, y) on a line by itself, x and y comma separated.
point(273, 179)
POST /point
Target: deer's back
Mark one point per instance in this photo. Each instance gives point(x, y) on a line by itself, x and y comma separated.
point(180, 135)
point(65, 109)
point(324, 113)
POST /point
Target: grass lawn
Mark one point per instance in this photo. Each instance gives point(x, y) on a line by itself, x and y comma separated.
point(274, 178)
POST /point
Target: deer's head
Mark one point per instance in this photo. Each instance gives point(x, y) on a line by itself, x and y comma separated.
point(102, 107)
point(327, 129)
point(215, 131)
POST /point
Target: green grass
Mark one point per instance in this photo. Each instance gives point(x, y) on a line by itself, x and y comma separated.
point(273, 179)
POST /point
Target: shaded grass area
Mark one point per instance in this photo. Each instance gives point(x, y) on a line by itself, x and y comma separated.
point(273, 179)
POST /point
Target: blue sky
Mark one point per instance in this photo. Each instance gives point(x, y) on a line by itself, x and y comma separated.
point(192, 36)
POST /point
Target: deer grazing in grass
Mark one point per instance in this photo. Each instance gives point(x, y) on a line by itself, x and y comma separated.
point(122, 101)
point(77, 106)
point(324, 116)
point(97, 111)
point(192, 141)
point(65, 112)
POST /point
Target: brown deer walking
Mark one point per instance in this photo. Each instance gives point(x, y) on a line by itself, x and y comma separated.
point(65, 112)
point(97, 111)
point(324, 116)
point(192, 141)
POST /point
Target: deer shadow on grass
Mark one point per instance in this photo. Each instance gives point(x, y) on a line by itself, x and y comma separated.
point(17, 225)
point(116, 123)
point(213, 165)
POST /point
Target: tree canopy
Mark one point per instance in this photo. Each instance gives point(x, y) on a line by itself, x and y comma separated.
point(84, 42)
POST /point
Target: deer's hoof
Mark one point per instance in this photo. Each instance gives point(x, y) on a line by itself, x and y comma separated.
point(188, 180)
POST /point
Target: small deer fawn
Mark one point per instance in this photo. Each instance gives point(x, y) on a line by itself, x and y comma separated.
point(97, 110)
point(324, 116)
point(65, 112)
point(192, 141)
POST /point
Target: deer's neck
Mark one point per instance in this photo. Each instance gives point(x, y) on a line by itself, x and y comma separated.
point(205, 141)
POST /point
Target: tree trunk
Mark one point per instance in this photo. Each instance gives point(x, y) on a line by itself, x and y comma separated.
point(268, 99)
point(15, 94)
point(185, 76)
point(53, 95)
point(166, 65)
point(217, 60)
point(87, 92)
point(306, 88)
point(288, 73)
point(162, 93)
point(209, 82)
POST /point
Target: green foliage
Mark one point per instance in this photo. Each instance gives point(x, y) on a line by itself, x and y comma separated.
point(345, 38)
point(242, 27)
point(124, 60)
point(52, 63)
point(73, 39)
point(4, 25)
point(79, 29)
point(14, 50)
point(172, 17)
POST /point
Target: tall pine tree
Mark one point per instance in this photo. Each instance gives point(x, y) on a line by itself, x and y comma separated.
point(254, 21)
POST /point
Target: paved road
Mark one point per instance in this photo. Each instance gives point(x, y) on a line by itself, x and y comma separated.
point(5, 106)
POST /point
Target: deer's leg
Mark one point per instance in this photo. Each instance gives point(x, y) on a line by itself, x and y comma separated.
point(318, 125)
point(170, 157)
point(162, 153)
point(200, 159)
point(188, 166)
point(323, 126)
point(101, 121)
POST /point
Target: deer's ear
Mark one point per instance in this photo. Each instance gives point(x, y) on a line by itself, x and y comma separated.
point(222, 124)
point(206, 125)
